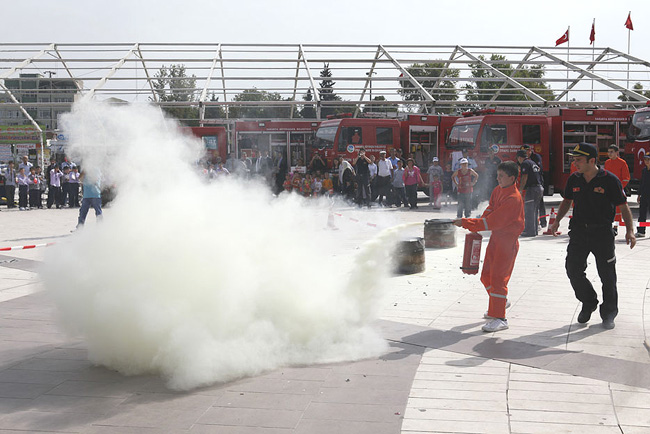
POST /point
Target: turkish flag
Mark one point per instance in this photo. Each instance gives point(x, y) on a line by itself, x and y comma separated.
point(628, 22)
point(564, 38)
point(592, 36)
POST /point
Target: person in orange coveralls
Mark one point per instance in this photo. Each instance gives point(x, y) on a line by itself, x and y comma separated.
point(618, 167)
point(504, 216)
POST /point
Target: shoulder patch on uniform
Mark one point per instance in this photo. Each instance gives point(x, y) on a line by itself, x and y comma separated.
point(599, 190)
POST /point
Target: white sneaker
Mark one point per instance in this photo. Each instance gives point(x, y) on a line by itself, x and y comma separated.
point(495, 325)
point(486, 316)
point(639, 235)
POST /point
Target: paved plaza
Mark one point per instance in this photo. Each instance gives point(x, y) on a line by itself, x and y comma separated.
point(545, 374)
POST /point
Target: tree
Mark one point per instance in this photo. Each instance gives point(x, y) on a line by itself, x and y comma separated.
point(438, 88)
point(260, 111)
point(379, 108)
point(638, 88)
point(485, 90)
point(308, 111)
point(326, 91)
point(214, 111)
point(173, 85)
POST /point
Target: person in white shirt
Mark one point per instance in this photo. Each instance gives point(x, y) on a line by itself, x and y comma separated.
point(25, 165)
point(23, 189)
point(54, 195)
point(384, 172)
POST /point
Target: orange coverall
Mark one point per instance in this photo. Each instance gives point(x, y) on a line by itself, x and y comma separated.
point(504, 216)
point(619, 168)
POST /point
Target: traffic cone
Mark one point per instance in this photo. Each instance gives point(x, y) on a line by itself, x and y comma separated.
point(551, 220)
point(330, 221)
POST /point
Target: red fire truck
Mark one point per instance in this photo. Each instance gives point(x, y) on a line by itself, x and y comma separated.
point(215, 140)
point(551, 135)
point(421, 135)
point(292, 138)
point(638, 145)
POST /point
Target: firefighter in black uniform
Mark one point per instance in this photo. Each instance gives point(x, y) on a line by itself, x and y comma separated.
point(596, 194)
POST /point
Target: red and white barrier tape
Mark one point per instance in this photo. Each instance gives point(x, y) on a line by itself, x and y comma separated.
point(32, 246)
point(355, 220)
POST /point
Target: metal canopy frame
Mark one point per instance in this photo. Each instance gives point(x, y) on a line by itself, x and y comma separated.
point(576, 76)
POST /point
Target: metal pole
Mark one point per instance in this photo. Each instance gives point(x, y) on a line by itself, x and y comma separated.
point(568, 47)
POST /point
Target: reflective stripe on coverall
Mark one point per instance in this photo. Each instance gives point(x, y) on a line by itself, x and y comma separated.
point(504, 216)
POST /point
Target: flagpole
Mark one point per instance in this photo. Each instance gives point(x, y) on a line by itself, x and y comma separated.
point(628, 52)
point(593, 48)
point(568, 46)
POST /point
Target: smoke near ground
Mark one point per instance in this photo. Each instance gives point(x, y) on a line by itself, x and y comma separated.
point(205, 282)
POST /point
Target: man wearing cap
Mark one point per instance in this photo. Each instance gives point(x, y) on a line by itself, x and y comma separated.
point(618, 167)
point(537, 159)
point(531, 188)
point(644, 195)
point(595, 194)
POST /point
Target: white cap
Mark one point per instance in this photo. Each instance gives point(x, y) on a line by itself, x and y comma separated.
point(435, 158)
point(464, 161)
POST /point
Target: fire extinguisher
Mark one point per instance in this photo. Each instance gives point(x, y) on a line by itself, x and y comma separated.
point(472, 254)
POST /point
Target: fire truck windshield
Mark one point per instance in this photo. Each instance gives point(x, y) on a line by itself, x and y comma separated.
point(640, 128)
point(463, 136)
point(325, 137)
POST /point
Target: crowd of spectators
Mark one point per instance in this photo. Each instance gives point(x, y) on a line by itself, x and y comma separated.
point(58, 185)
point(388, 181)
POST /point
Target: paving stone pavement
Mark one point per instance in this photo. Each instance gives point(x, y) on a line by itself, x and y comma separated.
point(546, 374)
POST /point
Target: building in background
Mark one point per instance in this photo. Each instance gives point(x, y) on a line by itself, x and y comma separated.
point(49, 95)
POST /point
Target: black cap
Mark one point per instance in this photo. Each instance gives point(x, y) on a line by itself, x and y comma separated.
point(525, 147)
point(521, 153)
point(584, 149)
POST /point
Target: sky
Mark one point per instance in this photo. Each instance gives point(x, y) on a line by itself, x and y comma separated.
point(426, 22)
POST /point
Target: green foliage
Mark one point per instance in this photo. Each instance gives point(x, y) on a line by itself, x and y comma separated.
point(214, 111)
point(487, 89)
point(308, 111)
point(445, 90)
point(638, 88)
point(259, 112)
point(173, 85)
point(326, 91)
point(379, 108)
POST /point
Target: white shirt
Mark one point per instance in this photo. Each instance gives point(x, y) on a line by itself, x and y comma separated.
point(55, 178)
point(372, 167)
point(384, 167)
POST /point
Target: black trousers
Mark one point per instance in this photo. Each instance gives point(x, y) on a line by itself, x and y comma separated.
point(34, 197)
point(412, 195)
point(10, 192)
point(600, 242)
point(22, 195)
point(54, 196)
point(363, 190)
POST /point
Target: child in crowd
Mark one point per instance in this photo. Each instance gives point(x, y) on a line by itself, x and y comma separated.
point(465, 179)
point(316, 186)
point(398, 185)
point(73, 185)
point(34, 188)
point(328, 185)
point(296, 183)
point(306, 186)
point(504, 216)
point(23, 189)
point(436, 187)
point(288, 185)
point(447, 184)
point(42, 185)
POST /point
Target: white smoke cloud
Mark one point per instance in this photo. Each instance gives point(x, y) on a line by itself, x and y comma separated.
point(204, 283)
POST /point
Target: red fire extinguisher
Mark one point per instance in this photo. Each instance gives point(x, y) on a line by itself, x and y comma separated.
point(472, 254)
